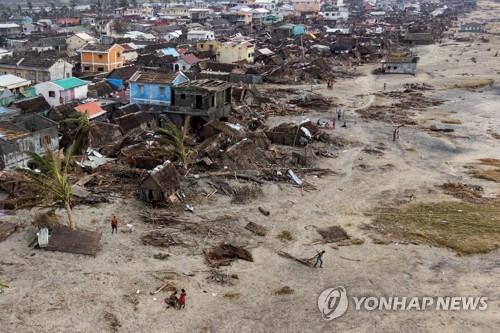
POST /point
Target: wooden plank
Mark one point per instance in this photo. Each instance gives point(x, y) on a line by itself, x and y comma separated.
point(63, 239)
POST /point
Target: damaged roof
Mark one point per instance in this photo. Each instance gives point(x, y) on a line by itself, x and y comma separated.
point(206, 84)
point(9, 131)
point(151, 77)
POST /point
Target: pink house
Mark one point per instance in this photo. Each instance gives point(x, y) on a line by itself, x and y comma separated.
point(306, 6)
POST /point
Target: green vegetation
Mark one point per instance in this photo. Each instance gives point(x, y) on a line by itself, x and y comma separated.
point(51, 177)
point(466, 228)
point(174, 137)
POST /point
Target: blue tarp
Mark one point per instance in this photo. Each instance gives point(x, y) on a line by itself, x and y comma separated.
point(115, 83)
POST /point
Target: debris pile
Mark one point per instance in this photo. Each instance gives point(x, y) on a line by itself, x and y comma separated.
point(225, 254)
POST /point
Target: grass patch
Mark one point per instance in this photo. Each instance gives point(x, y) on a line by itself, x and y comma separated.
point(471, 84)
point(285, 236)
point(489, 174)
point(466, 192)
point(452, 121)
point(286, 290)
point(232, 295)
point(466, 228)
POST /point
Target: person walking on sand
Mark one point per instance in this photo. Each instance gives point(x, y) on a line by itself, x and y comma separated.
point(182, 299)
point(319, 259)
point(114, 225)
point(172, 300)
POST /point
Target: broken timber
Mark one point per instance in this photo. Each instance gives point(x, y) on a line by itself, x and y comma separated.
point(289, 256)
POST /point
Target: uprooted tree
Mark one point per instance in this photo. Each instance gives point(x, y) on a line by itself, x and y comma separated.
point(51, 177)
point(174, 137)
point(83, 134)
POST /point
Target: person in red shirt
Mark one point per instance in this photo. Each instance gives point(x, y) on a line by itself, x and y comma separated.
point(182, 299)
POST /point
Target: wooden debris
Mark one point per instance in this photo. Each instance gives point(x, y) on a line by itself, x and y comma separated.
point(264, 211)
point(257, 229)
point(114, 323)
point(306, 262)
point(161, 238)
point(225, 254)
point(163, 218)
point(63, 239)
point(6, 229)
point(332, 234)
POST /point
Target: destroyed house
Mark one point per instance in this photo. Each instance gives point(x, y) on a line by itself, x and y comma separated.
point(154, 88)
point(418, 38)
point(398, 65)
point(472, 27)
point(23, 135)
point(144, 120)
point(161, 182)
point(208, 99)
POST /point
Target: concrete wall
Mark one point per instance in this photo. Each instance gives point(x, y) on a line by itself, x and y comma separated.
point(15, 154)
point(227, 53)
point(44, 88)
point(65, 96)
point(60, 70)
point(399, 68)
point(150, 93)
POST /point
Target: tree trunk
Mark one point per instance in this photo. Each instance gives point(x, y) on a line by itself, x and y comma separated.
point(71, 221)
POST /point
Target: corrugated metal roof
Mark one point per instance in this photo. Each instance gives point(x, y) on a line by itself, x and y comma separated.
point(9, 79)
point(69, 83)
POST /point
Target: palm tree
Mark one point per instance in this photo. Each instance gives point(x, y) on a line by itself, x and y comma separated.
point(175, 137)
point(83, 137)
point(51, 177)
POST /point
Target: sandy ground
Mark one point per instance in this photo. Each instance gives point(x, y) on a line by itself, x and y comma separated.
point(56, 292)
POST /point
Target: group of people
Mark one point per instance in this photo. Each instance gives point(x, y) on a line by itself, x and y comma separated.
point(176, 302)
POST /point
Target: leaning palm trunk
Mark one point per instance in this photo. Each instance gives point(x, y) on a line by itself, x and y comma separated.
point(52, 178)
point(174, 137)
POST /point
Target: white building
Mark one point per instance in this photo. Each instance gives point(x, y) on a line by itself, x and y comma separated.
point(200, 35)
point(14, 84)
point(62, 91)
point(77, 41)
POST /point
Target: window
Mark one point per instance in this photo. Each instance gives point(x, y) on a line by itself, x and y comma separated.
point(141, 89)
point(52, 93)
point(100, 56)
point(213, 100)
point(201, 45)
point(162, 91)
point(198, 102)
point(87, 68)
point(183, 96)
point(100, 69)
point(118, 54)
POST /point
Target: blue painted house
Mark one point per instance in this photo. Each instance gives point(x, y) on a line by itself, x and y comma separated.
point(155, 88)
